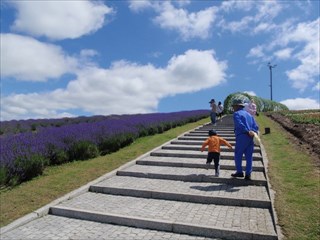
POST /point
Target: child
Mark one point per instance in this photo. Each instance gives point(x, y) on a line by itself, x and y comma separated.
point(213, 142)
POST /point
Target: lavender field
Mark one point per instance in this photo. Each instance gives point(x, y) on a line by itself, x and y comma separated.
point(28, 146)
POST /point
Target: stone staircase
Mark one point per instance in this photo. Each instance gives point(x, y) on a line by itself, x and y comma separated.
point(165, 194)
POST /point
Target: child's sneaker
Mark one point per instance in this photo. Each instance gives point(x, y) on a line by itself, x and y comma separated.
point(207, 166)
point(217, 172)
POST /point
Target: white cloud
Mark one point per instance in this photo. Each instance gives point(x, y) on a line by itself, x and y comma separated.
point(301, 103)
point(256, 52)
point(125, 87)
point(258, 16)
point(231, 5)
point(237, 26)
point(268, 10)
point(187, 24)
point(317, 87)
point(59, 19)
point(264, 27)
point(297, 42)
point(308, 34)
point(251, 93)
point(182, 3)
point(27, 59)
point(138, 6)
point(283, 53)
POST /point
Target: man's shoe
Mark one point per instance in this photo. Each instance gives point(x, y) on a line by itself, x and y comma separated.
point(247, 177)
point(237, 175)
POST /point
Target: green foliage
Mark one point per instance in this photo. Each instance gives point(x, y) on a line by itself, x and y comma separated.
point(56, 156)
point(33, 127)
point(113, 144)
point(83, 150)
point(3, 176)
point(30, 167)
point(263, 105)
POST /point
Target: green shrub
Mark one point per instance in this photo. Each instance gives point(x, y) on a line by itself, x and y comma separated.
point(113, 144)
point(109, 145)
point(33, 127)
point(83, 150)
point(56, 156)
point(3, 176)
point(30, 167)
point(263, 105)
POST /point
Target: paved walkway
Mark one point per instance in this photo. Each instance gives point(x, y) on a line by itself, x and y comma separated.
point(165, 194)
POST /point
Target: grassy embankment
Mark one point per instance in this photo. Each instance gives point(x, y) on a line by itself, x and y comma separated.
point(296, 181)
point(292, 175)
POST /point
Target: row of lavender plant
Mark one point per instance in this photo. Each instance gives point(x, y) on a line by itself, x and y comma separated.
point(32, 125)
point(25, 155)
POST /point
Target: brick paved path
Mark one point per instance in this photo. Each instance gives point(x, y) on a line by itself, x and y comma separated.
point(164, 194)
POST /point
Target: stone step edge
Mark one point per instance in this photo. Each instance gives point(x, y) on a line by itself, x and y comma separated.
point(194, 155)
point(193, 165)
point(199, 142)
point(184, 197)
point(219, 132)
point(203, 138)
point(194, 178)
point(160, 225)
point(223, 135)
point(198, 148)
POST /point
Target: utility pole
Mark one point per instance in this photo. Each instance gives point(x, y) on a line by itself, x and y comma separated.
point(270, 68)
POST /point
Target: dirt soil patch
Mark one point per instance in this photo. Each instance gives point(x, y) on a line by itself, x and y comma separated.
point(306, 136)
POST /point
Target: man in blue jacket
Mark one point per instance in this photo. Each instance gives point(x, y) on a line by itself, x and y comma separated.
point(245, 126)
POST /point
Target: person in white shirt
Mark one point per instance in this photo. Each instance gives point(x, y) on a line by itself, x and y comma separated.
point(219, 110)
point(251, 107)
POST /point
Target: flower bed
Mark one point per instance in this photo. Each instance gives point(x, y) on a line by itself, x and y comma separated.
point(25, 155)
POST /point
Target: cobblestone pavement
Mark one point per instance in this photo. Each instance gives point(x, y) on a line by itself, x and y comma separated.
point(165, 194)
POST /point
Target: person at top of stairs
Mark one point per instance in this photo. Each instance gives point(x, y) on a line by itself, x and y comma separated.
point(213, 113)
point(214, 142)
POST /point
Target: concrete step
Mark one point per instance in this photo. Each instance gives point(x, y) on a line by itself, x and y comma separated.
point(207, 193)
point(193, 163)
point(217, 127)
point(194, 142)
point(197, 138)
point(191, 175)
point(207, 220)
point(219, 131)
point(197, 147)
point(197, 154)
point(205, 134)
point(51, 227)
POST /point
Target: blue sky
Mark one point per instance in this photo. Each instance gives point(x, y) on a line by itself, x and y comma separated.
point(82, 58)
